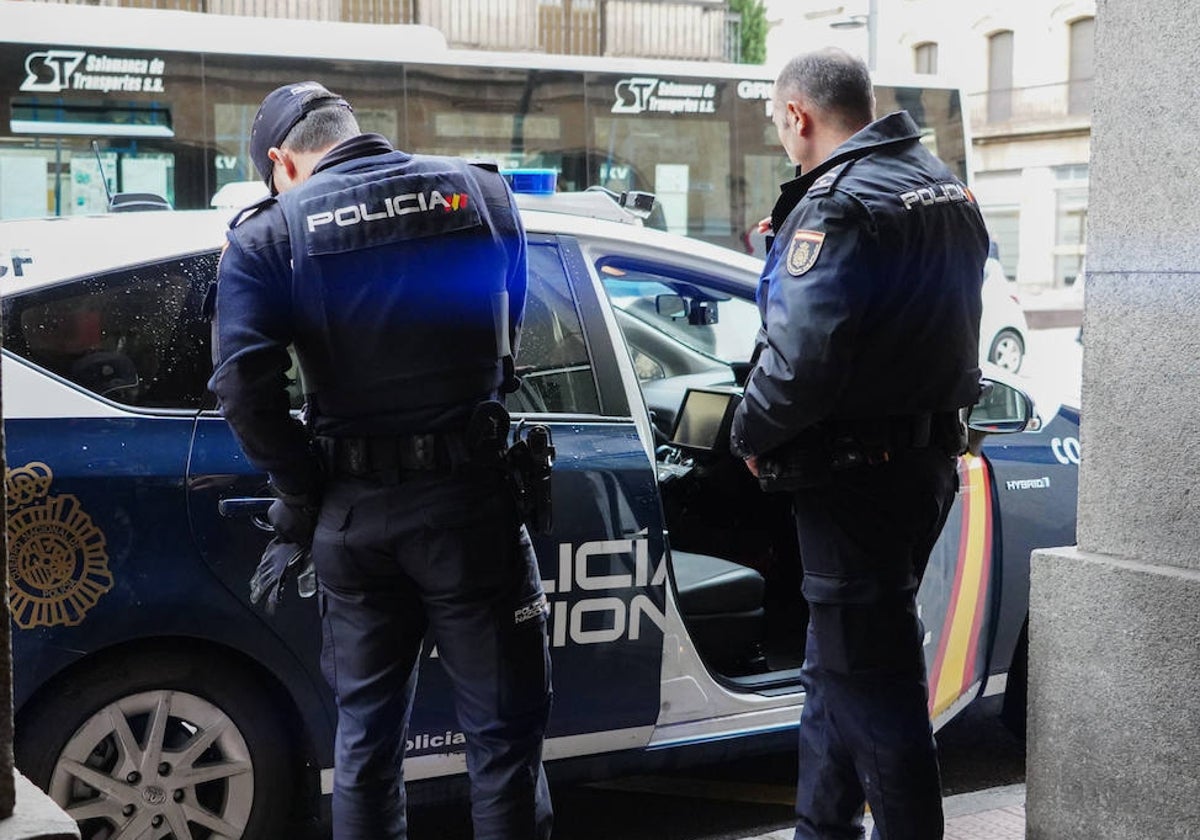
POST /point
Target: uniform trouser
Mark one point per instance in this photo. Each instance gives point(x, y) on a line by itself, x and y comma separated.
point(865, 734)
point(444, 553)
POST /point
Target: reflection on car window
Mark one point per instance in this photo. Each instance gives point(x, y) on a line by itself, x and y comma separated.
point(664, 312)
point(556, 373)
point(137, 337)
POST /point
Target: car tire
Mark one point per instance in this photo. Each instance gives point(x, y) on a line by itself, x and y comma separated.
point(161, 742)
point(1007, 350)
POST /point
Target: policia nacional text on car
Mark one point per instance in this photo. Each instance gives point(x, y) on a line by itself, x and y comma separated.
point(870, 301)
point(400, 280)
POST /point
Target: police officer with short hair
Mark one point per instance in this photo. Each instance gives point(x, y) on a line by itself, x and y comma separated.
point(870, 301)
point(400, 281)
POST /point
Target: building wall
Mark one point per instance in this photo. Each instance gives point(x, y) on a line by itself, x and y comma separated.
point(491, 24)
point(1114, 667)
point(683, 29)
point(1029, 169)
point(666, 30)
point(698, 30)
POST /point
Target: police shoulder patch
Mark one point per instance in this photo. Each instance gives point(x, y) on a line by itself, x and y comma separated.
point(825, 183)
point(804, 250)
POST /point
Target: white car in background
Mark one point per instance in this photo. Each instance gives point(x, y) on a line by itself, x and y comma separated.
point(238, 194)
point(1003, 328)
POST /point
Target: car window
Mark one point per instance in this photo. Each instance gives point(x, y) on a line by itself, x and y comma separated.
point(676, 326)
point(137, 336)
point(553, 362)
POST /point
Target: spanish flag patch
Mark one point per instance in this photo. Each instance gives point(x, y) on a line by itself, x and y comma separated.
point(802, 255)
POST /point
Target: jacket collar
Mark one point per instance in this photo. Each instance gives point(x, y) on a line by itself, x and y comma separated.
point(897, 127)
point(364, 145)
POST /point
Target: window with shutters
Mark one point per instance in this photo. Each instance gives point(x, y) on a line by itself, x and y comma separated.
point(1000, 76)
point(925, 58)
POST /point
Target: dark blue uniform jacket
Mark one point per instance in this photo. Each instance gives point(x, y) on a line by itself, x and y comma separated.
point(400, 282)
point(870, 296)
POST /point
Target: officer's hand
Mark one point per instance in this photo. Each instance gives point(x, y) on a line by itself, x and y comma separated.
point(764, 226)
point(752, 465)
point(281, 559)
point(294, 520)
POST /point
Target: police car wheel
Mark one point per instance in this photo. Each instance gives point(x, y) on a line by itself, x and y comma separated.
point(1007, 351)
point(160, 746)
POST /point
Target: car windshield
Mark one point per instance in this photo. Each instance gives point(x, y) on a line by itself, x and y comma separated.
point(701, 318)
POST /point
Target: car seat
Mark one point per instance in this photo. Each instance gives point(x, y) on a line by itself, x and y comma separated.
point(722, 605)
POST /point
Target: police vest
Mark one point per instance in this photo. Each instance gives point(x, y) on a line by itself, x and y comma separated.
point(400, 271)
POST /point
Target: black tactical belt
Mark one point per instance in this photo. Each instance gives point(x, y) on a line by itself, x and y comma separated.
point(902, 431)
point(383, 456)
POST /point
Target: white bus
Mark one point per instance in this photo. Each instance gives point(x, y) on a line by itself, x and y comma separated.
point(168, 98)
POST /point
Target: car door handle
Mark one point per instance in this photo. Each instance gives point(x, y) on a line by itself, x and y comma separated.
point(250, 506)
point(255, 507)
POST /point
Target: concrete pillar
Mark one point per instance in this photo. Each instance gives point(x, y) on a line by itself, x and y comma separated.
point(1114, 720)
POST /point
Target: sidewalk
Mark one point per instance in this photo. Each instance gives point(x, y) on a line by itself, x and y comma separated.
point(996, 814)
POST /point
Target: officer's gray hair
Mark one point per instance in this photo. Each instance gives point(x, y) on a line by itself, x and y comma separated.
point(321, 129)
point(832, 81)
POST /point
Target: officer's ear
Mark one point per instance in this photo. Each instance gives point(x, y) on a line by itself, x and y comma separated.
point(286, 169)
point(799, 117)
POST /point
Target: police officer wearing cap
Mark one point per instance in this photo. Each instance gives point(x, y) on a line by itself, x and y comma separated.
point(870, 304)
point(400, 281)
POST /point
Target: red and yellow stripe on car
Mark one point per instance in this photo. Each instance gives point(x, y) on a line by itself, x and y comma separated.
point(958, 661)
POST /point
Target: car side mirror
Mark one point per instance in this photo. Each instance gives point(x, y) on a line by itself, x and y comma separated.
point(1001, 409)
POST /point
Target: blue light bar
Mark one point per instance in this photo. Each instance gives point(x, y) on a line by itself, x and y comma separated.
point(532, 181)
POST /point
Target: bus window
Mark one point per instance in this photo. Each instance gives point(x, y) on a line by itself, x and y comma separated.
point(516, 117)
point(669, 135)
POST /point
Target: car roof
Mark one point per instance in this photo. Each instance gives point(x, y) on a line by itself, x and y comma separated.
point(41, 252)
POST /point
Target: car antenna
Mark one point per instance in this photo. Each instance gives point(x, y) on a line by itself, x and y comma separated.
point(100, 165)
point(127, 202)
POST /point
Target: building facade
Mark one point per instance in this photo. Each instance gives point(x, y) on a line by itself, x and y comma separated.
point(1025, 68)
point(700, 30)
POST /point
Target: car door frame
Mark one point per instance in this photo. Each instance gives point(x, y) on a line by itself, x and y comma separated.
point(971, 599)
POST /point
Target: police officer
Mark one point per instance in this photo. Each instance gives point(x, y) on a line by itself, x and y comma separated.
point(400, 281)
point(870, 303)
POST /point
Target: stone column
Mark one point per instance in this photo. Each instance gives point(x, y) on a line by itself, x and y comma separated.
point(1114, 639)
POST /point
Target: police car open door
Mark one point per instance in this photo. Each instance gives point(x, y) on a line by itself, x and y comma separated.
point(956, 601)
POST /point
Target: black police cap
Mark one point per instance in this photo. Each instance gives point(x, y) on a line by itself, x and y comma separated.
point(280, 111)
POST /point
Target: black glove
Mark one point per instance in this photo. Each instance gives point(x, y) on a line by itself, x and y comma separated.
point(280, 559)
point(294, 519)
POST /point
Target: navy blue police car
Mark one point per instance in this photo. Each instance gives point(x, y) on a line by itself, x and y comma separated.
point(152, 695)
